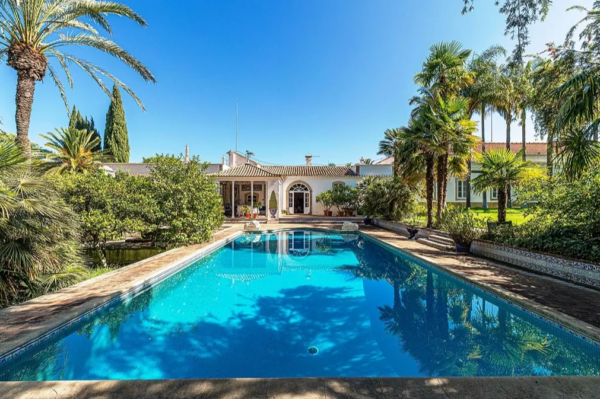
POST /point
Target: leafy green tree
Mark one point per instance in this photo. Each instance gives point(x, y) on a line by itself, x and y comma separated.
point(74, 150)
point(116, 139)
point(273, 201)
point(108, 206)
point(35, 31)
point(577, 153)
point(39, 234)
point(191, 208)
point(499, 169)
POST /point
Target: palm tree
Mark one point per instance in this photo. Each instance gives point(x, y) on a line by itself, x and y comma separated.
point(578, 153)
point(444, 71)
point(499, 169)
point(74, 151)
point(455, 137)
point(390, 146)
point(481, 94)
point(418, 153)
point(34, 31)
point(39, 234)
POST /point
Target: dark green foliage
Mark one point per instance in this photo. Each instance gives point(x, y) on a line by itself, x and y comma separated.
point(177, 204)
point(189, 203)
point(80, 123)
point(565, 220)
point(388, 199)
point(39, 234)
point(116, 139)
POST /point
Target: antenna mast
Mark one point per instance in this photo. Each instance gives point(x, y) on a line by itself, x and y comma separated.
point(236, 125)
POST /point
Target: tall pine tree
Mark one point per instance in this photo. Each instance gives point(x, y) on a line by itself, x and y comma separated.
point(116, 140)
point(80, 123)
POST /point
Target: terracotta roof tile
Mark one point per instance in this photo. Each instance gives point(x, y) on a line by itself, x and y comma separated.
point(276, 171)
point(324, 171)
point(246, 170)
point(531, 148)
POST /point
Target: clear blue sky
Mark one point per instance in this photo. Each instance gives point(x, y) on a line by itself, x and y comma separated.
point(325, 77)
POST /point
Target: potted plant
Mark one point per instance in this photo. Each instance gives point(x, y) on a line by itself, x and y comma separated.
point(412, 227)
point(246, 210)
point(256, 210)
point(462, 226)
point(326, 199)
point(273, 204)
point(340, 199)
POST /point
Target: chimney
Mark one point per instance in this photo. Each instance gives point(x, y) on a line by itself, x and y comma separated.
point(223, 160)
point(308, 158)
point(187, 153)
point(362, 160)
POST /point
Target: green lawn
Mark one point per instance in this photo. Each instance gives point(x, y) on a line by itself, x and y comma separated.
point(514, 215)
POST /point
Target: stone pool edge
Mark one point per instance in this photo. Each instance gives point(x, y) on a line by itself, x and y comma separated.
point(561, 320)
point(313, 388)
point(25, 340)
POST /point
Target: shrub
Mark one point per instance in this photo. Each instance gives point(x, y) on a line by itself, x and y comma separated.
point(461, 225)
point(385, 198)
point(565, 220)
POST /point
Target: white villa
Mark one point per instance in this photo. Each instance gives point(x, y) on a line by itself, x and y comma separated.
point(245, 181)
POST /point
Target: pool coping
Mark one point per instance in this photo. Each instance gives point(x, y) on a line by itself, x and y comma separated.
point(23, 341)
point(314, 388)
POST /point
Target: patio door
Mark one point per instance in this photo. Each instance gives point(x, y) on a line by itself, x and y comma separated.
point(299, 199)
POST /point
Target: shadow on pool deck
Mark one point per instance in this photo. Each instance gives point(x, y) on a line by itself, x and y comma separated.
point(313, 388)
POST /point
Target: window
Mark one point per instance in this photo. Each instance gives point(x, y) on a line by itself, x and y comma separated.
point(291, 200)
point(494, 194)
point(338, 183)
point(461, 189)
point(252, 199)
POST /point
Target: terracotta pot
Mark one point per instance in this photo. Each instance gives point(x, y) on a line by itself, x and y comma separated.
point(328, 213)
point(247, 215)
point(341, 213)
point(255, 215)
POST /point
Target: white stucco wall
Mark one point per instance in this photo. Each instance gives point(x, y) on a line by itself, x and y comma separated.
point(317, 186)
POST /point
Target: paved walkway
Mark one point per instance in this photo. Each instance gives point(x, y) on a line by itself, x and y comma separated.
point(313, 388)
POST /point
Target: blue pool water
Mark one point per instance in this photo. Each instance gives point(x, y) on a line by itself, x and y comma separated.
point(306, 304)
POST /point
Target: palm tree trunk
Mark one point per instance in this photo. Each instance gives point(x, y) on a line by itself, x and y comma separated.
point(24, 101)
point(485, 205)
point(508, 119)
point(469, 184)
point(440, 186)
point(429, 188)
point(502, 200)
point(523, 133)
point(445, 180)
point(549, 153)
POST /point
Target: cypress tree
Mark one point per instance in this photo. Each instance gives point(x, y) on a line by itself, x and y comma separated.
point(73, 119)
point(116, 140)
point(77, 121)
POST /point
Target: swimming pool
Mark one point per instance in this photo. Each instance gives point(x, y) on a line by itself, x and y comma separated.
point(304, 303)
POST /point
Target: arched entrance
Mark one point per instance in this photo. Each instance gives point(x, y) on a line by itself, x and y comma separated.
point(299, 198)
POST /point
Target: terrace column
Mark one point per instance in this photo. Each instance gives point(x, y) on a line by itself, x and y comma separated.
point(252, 196)
point(233, 199)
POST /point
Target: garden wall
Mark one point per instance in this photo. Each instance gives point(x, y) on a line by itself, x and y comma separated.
point(567, 269)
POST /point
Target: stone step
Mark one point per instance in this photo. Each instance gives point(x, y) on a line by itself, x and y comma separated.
point(441, 239)
point(434, 244)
